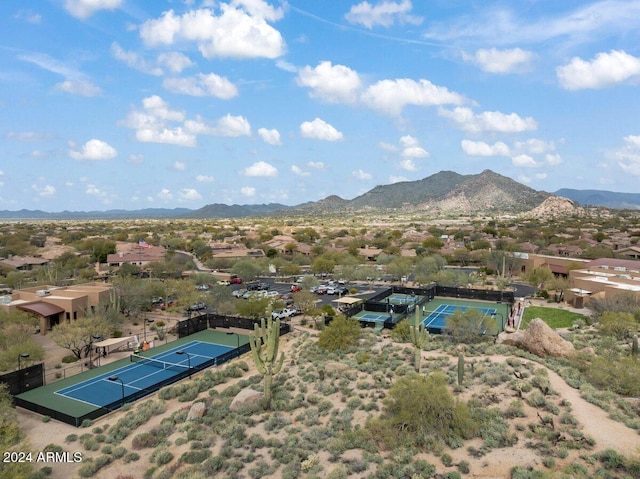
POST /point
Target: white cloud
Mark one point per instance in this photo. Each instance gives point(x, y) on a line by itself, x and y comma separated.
point(179, 165)
point(590, 21)
point(93, 190)
point(134, 60)
point(46, 191)
point(156, 123)
point(190, 194)
point(628, 157)
point(524, 161)
point(316, 165)
point(296, 170)
point(320, 130)
point(176, 62)
point(388, 147)
point(331, 83)
point(408, 165)
point(488, 120)
point(93, 150)
point(411, 148)
point(78, 87)
point(205, 178)
point(248, 191)
point(540, 176)
point(391, 96)
point(230, 125)
point(361, 175)
point(384, 13)
point(480, 148)
point(604, 70)
point(241, 30)
point(553, 159)
point(202, 85)
point(501, 61)
point(165, 194)
point(260, 168)
point(85, 8)
point(535, 146)
point(270, 136)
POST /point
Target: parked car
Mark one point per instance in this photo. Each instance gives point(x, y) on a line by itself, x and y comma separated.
point(253, 286)
point(295, 288)
point(264, 286)
point(224, 282)
point(238, 292)
point(342, 290)
point(205, 287)
point(235, 280)
point(283, 313)
point(322, 289)
point(197, 307)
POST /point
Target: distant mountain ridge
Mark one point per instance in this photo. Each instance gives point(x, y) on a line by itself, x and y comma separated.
point(443, 192)
point(608, 199)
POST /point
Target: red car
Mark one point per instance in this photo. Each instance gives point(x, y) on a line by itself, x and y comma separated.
point(235, 280)
point(295, 288)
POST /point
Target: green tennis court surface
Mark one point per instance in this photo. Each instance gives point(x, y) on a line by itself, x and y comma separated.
point(73, 399)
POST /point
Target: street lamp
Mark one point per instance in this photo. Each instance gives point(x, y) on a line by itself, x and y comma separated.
point(144, 326)
point(116, 378)
point(237, 341)
point(21, 356)
point(188, 360)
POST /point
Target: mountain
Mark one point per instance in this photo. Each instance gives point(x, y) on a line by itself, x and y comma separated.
point(608, 199)
point(446, 191)
point(150, 213)
point(219, 210)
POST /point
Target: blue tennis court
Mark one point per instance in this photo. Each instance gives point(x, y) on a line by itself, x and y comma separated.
point(144, 372)
point(437, 319)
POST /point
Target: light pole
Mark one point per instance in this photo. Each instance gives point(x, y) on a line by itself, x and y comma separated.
point(116, 378)
point(21, 356)
point(94, 337)
point(237, 342)
point(144, 326)
point(188, 360)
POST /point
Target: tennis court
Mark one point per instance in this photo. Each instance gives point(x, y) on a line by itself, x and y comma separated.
point(143, 373)
point(98, 391)
point(398, 298)
point(437, 319)
point(373, 317)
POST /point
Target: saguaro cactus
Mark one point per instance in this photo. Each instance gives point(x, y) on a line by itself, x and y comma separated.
point(265, 357)
point(419, 337)
point(634, 345)
point(460, 369)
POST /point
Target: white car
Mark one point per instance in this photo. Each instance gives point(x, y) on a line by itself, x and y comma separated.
point(283, 313)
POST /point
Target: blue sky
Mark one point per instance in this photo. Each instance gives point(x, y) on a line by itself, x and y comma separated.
point(146, 104)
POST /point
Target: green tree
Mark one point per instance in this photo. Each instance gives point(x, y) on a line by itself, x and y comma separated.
point(419, 409)
point(247, 269)
point(323, 265)
point(78, 336)
point(470, 326)
point(538, 276)
point(254, 308)
point(341, 334)
point(16, 337)
point(619, 325)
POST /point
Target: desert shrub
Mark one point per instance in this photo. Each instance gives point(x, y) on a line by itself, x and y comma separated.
point(341, 334)
point(145, 440)
point(418, 407)
point(261, 469)
point(402, 332)
point(162, 457)
point(195, 457)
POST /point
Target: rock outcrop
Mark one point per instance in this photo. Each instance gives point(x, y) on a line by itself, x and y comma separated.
point(197, 410)
point(247, 398)
point(555, 206)
point(539, 339)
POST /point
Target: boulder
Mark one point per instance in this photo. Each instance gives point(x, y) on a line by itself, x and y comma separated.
point(197, 410)
point(539, 339)
point(247, 398)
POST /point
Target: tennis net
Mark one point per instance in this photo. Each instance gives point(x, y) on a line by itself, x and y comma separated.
point(156, 363)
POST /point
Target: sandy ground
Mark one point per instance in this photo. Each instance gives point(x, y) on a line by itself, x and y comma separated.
point(595, 422)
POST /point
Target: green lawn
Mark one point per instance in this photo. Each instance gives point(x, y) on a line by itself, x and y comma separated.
point(554, 317)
